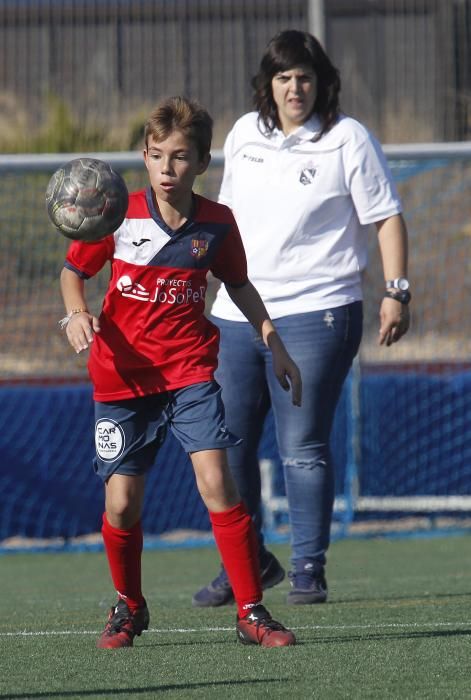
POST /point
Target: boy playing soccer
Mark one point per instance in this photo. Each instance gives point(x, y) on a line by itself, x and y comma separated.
point(152, 360)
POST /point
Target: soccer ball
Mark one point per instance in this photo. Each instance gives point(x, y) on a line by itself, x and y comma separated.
point(86, 200)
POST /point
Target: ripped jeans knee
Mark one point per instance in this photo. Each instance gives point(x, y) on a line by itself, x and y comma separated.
point(302, 463)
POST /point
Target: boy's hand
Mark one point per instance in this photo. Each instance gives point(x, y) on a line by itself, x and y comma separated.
point(286, 370)
point(80, 329)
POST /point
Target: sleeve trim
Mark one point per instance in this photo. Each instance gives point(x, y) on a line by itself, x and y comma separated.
point(79, 273)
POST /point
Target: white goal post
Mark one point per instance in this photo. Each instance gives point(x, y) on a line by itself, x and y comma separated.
point(44, 162)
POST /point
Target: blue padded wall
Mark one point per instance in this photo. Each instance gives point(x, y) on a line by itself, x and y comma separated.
point(414, 438)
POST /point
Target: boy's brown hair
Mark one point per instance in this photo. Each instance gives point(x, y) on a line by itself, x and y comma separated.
point(182, 114)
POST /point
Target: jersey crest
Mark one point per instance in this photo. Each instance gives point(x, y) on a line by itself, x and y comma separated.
point(199, 248)
point(307, 176)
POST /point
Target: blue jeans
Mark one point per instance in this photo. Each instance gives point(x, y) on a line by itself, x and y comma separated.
point(323, 344)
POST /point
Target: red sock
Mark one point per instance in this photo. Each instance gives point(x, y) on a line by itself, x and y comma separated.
point(124, 549)
point(237, 543)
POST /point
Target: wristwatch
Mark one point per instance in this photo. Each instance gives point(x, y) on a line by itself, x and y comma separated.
point(402, 295)
point(399, 283)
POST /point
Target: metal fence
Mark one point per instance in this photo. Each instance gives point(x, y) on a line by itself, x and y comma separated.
point(95, 67)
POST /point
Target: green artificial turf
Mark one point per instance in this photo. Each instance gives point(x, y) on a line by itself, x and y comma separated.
point(397, 625)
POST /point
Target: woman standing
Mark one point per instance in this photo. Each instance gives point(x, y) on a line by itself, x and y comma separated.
point(304, 181)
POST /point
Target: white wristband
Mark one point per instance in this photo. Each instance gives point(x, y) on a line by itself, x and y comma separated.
point(64, 321)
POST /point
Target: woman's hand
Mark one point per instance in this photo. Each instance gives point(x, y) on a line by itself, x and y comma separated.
point(394, 321)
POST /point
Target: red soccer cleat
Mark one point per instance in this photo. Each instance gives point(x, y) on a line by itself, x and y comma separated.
point(258, 627)
point(123, 625)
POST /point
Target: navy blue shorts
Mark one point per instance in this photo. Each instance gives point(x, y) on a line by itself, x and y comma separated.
point(129, 433)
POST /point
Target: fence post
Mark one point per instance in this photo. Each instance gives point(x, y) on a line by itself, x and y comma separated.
point(316, 20)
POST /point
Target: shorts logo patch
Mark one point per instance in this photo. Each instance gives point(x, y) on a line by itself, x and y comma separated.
point(109, 439)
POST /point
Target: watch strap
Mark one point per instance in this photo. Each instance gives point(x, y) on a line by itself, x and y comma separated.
point(403, 296)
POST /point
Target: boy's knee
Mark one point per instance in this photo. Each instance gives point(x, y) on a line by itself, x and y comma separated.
point(122, 514)
point(210, 489)
point(218, 494)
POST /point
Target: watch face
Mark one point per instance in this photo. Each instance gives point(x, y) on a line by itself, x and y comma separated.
point(403, 284)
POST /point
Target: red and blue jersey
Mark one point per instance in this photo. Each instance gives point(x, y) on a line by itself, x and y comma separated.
point(154, 334)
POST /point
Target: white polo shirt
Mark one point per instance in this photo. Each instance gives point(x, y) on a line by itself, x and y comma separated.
point(303, 209)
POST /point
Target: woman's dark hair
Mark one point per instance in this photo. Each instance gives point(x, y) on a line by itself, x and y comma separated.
point(286, 50)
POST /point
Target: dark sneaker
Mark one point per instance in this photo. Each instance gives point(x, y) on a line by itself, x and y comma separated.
point(271, 571)
point(308, 584)
point(123, 625)
point(216, 593)
point(219, 591)
point(258, 627)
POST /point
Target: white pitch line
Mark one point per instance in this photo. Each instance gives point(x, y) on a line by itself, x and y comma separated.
point(189, 630)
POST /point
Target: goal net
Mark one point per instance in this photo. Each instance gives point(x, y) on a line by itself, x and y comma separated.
point(402, 435)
